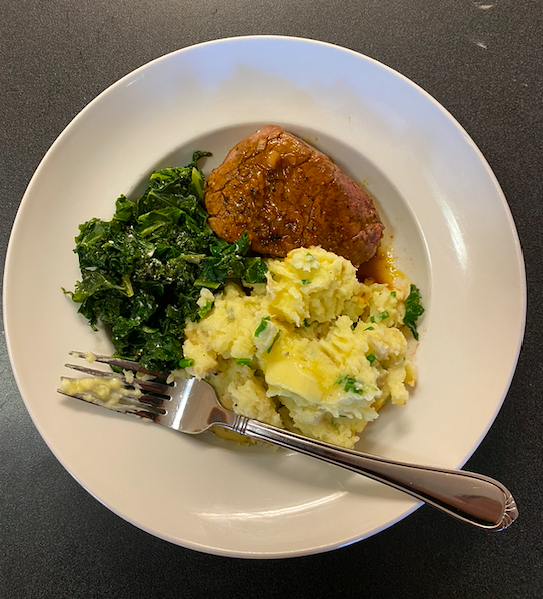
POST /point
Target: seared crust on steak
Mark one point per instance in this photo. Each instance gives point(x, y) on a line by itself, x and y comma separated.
point(286, 194)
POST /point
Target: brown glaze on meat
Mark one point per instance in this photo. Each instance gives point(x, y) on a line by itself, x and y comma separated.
point(286, 194)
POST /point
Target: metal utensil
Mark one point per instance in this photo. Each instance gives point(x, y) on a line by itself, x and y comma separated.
point(191, 406)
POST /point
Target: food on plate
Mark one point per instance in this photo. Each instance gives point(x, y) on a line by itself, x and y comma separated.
point(142, 271)
point(290, 337)
point(102, 390)
point(286, 194)
point(314, 350)
point(413, 309)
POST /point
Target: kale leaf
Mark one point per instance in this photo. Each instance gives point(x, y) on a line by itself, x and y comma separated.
point(413, 309)
point(141, 272)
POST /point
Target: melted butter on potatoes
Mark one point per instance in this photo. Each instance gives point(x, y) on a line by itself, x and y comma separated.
point(315, 350)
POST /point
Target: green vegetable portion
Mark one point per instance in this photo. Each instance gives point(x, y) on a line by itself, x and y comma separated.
point(413, 309)
point(142, 271)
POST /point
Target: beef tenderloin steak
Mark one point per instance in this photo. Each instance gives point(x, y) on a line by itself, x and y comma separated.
point(286, 194)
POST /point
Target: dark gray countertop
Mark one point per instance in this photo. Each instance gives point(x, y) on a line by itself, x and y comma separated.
point(482, 61)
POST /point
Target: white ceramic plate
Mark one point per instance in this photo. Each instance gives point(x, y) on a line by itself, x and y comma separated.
point(453, 234)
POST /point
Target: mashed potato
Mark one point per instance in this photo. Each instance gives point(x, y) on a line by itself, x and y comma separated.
point(314, 350)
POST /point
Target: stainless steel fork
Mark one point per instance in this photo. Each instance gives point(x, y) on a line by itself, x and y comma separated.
point(191, 406)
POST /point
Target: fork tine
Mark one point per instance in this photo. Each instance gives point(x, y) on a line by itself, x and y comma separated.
point(155, 401)
point(152, 386)
point(133, 409)
point(150, 400)
point(118, 362)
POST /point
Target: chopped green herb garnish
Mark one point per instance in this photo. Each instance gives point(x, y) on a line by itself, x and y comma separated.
point(305, 281)
point(186, 363)
point(370, 358)
point(273, 342)
point(413, 309)
point(351, 384)
point(383, 315)
point(205, 309)
point(369, 329)
point(306, 323)
point(243, 361)
point(393, 293)
point(372, 318)
point(262, 326)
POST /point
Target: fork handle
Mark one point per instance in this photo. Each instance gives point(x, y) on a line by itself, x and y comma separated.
point(473, 498)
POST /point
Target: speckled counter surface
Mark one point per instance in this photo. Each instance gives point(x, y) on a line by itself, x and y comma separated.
point(481, 61)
